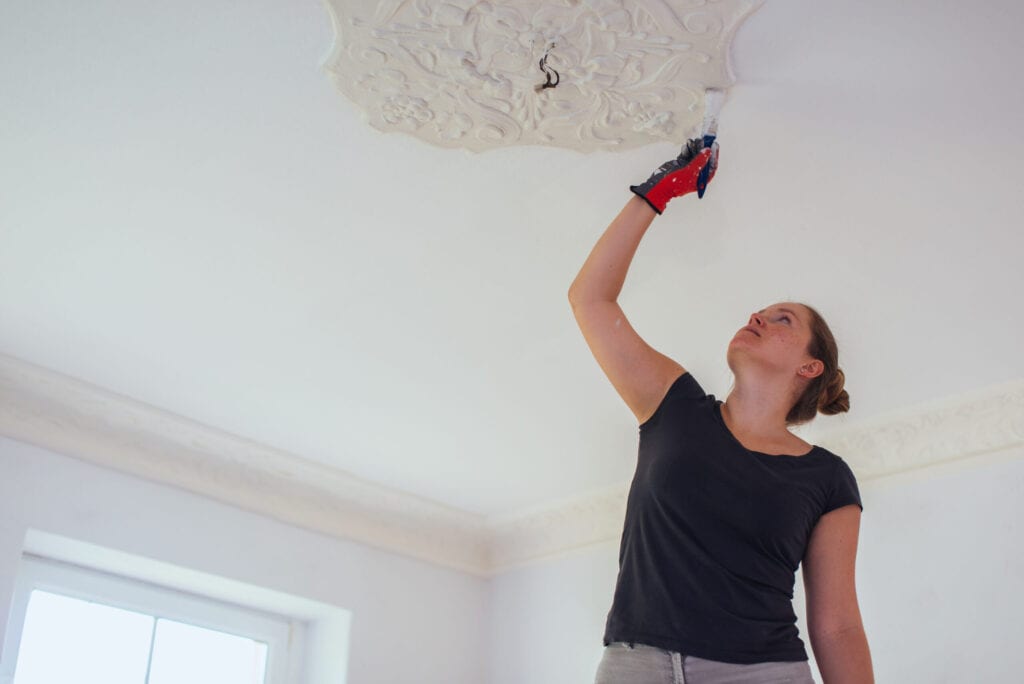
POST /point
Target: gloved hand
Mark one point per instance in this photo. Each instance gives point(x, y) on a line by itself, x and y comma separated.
point(678, 176)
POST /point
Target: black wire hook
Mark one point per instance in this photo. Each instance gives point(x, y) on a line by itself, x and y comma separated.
point(547, 71)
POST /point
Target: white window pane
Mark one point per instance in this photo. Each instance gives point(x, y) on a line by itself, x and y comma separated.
point(186, 653)
point(69, 640)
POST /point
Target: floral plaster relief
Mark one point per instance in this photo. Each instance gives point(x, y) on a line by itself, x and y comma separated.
point(460, 73)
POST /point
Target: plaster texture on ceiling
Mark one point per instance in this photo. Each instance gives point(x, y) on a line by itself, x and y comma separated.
point(467, 74)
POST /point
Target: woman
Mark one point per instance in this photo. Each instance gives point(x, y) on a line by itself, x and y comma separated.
point(726, 502)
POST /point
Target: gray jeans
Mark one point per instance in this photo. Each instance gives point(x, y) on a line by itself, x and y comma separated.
point(639, 664)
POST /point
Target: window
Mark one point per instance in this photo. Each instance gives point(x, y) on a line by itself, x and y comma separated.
point(70, 620)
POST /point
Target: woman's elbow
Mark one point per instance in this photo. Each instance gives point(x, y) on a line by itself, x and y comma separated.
point(574, 293)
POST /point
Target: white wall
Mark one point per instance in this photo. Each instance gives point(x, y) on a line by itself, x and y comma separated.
point(940, 574)
point(547, 619)
point(411, 621)
point(940, 578)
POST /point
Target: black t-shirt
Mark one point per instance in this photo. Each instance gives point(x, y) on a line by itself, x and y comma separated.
point(714, 534)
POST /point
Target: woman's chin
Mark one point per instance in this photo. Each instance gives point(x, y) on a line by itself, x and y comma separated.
point(739, 351)
point(739, 342)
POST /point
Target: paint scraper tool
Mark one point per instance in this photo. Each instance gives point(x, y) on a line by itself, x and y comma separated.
point(714, 98)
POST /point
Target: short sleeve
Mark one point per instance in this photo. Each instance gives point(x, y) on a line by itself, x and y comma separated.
point(843, 489)
point(684, 388)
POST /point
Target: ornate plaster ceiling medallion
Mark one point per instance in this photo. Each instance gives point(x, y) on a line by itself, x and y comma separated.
point(461, 73)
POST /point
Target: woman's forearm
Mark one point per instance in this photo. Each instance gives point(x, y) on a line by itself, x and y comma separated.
point(844, 657)
point(604, 271)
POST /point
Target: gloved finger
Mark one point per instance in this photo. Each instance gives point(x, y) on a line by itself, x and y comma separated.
point(690, 150)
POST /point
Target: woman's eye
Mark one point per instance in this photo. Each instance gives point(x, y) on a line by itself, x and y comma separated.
point(785, 318)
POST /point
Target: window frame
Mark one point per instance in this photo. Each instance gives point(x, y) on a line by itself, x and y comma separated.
point(281, 634)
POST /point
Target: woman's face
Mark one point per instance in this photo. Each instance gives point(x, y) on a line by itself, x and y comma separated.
point(776, 336)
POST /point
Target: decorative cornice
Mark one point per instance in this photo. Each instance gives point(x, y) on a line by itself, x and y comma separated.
point(950, 429)
point(532, 535)
point(65, 415)
point(464, 73)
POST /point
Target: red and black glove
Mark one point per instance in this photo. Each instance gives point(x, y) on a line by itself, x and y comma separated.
point(679, 176)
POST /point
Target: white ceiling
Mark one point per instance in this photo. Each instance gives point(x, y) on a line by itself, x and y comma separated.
point(191, 216)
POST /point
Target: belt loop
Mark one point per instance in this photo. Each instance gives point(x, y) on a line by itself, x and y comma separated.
point(677, 669)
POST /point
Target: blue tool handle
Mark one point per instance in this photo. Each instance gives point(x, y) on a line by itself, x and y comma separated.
point(705, 173)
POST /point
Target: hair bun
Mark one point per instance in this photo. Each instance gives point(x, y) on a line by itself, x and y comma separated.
point(835, 399)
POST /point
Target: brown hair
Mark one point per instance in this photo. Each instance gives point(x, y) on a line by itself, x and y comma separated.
point(824, 393)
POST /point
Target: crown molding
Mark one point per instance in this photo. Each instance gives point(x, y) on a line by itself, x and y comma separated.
point(534, 535)
point(71, 417)
point(68, 416)
point(467, 74)
point(950, 429)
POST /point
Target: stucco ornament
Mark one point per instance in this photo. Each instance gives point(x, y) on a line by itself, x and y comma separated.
point(462, 73)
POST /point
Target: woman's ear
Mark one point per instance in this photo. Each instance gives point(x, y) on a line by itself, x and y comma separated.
point(811, 369)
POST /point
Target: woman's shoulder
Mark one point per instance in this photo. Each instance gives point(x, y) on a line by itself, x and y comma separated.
point(826, 453)
point(687, 388)
point(683, 390)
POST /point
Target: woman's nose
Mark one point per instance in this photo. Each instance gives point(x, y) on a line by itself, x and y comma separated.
point(755, 319)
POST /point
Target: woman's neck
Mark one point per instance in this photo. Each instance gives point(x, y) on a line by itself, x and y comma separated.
point(757, 410)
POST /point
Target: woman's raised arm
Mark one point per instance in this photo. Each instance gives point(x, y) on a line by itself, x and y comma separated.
point(640, 374)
